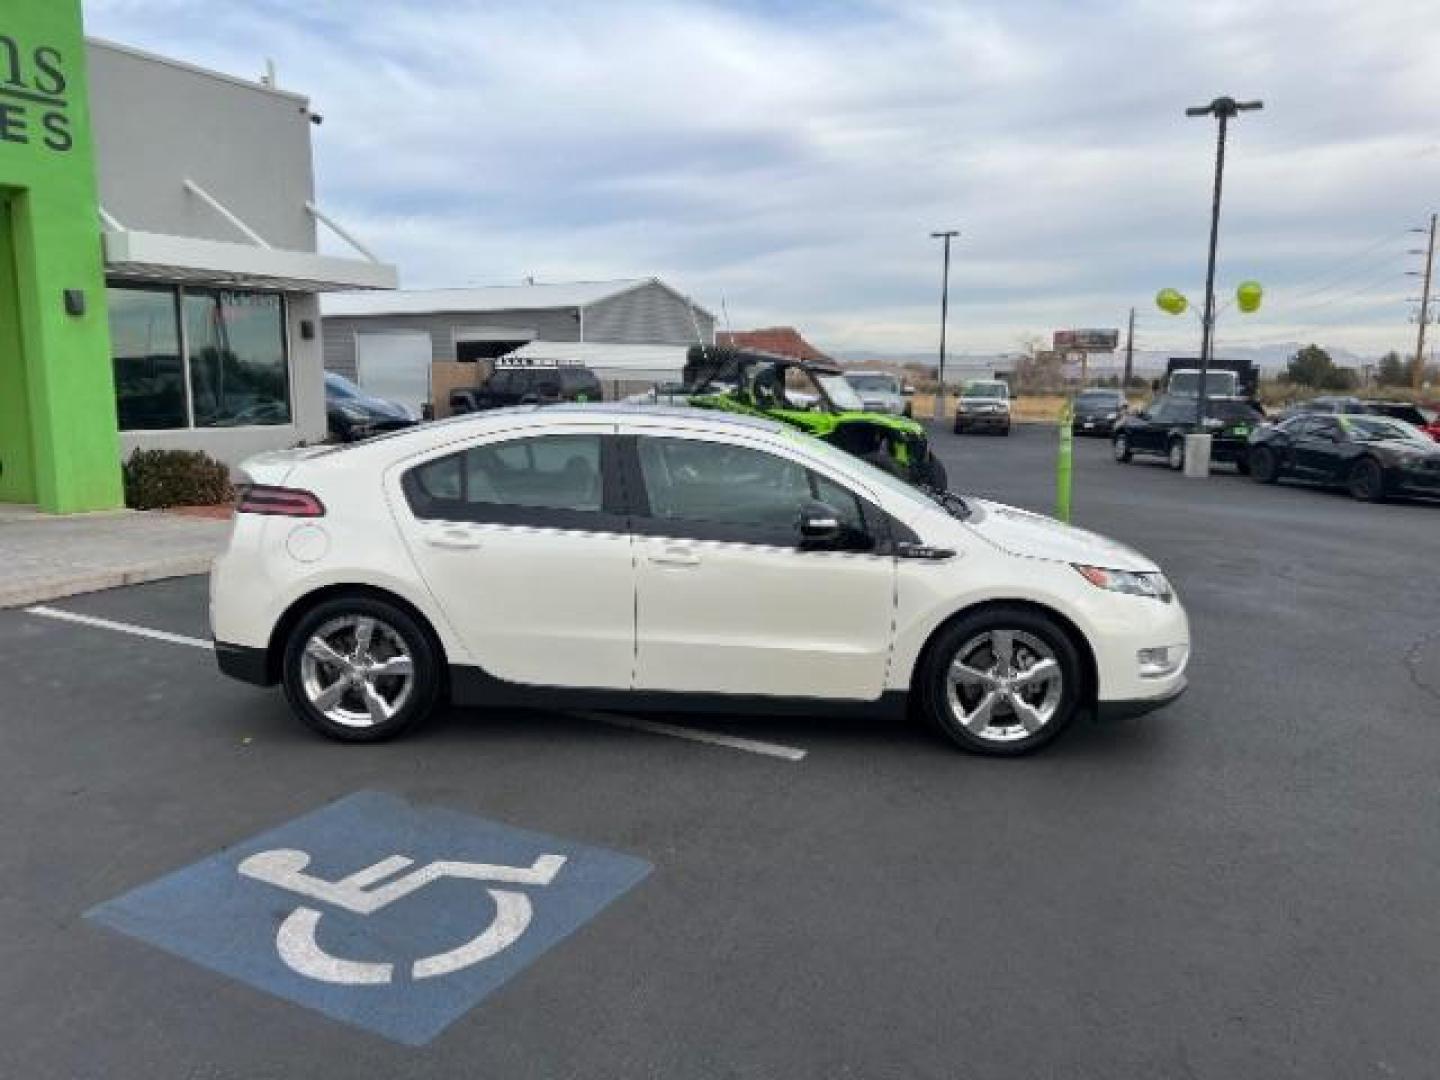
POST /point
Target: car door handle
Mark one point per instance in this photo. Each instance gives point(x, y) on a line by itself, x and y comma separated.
point(453, 539)
point(675, 556)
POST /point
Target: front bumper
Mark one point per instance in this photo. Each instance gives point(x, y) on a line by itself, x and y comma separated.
point(982, 421)
point(1129, 708)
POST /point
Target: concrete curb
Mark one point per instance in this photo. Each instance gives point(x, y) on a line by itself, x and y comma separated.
point(37, 592)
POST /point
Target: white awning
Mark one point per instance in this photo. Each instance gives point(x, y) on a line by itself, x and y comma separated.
point(184, 260)
point(631, 363)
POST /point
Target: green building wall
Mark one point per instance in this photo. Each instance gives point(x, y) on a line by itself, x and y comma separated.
point(59, 446)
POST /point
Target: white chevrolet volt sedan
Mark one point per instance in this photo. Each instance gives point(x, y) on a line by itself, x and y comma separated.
point(648, 558)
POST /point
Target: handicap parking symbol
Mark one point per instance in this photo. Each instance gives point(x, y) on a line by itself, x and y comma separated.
point(393, 917)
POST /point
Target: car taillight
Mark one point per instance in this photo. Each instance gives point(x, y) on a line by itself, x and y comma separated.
point(277, 501)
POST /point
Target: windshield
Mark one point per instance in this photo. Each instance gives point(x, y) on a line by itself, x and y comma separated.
point(340, 387)
point(987, 390)
point(1376, 429)
point(1232, 410)
point(1216, 382)
point(867, 473)
point(1100, 400)
point(841, 394)
point(873, 384)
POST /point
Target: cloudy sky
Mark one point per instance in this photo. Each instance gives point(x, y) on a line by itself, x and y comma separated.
point(790, 159)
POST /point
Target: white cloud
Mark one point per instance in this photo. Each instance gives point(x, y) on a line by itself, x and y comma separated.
point(793, 160)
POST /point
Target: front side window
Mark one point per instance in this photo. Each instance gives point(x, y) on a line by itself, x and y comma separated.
point(522, 481)
point(723, 492)
point(236, 343)
point(149, 371)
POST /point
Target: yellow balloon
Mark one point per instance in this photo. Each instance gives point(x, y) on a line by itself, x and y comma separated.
point(1172, 301)
point(1248, 296)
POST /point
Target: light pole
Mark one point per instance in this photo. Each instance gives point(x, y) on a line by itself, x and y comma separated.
point(946, 235)
point(1223, 109)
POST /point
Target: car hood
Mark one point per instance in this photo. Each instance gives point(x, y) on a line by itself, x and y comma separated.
point(1034, 536)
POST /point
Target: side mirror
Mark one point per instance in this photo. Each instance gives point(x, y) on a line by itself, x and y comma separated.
point(818, 523)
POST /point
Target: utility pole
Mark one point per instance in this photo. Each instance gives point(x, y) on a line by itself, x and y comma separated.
point(946, 235)
point(1418, 376)
point(1129, 354)
point(1223, 109)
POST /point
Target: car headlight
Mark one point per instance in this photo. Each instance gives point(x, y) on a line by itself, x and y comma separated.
point(1129, 582)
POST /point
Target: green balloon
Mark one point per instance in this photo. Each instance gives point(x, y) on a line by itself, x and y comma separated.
point(1171, 301)
point(1248, 296)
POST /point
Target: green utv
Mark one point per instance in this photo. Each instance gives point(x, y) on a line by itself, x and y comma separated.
point(814, 398)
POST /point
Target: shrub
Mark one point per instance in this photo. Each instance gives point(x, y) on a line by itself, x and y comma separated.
point(156, 479)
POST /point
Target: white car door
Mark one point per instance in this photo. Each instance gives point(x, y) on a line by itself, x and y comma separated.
point(522, 540)
point(728, 599)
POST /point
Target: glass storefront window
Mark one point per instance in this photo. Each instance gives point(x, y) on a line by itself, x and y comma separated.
point(145, 340)
point(236, 344)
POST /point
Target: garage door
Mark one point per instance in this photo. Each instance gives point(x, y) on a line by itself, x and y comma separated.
point(395, 366)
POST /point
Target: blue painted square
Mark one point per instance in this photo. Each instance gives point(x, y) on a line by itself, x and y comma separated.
point(476, 903)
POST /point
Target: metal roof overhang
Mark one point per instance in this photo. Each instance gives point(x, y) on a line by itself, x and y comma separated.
point(146, 256)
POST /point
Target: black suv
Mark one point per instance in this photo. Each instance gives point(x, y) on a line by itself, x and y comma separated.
point(1161, 430)
point(538, 385)
point(1097, 412)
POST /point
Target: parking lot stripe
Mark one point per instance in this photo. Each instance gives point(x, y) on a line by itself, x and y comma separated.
point(653, 727)
point(124, 628)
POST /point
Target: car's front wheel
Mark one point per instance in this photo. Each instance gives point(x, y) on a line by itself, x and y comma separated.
point(1120, 447)
point(1001, 681)
point(360, 669)
point(1264, 466)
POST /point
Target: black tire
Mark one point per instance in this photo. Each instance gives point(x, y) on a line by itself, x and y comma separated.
point(423, 651)
point(1242, 464)
point(1120, 448)
point(1175, 454)
point(960, 430)
point(883, 461)
point(1005, 430)
point(1366, 480)
point(1264, 467)
point(931, 472)
point(933, 688)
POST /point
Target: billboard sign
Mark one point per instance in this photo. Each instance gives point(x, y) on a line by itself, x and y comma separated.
point(1087, 340)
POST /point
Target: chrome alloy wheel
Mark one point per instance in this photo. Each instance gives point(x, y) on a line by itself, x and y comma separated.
point(357, 670)
point(1004, 685)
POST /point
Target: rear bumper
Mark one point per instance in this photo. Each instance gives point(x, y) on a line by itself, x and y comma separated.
point(245, 663)
point(1133, 707)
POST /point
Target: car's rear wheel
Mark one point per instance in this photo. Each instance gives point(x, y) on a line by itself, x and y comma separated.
point(931, 472)
point(1175, 454)
point(1120, 447)
point(360, 669)
point(1366, 480)
point(1264, 467)
point(1001, 681)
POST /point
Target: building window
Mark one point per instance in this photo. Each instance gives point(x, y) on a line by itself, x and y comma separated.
point(236, 345)
point(149, 374)
point(228, 368)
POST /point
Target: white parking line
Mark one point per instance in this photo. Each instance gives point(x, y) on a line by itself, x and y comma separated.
point(653, 727)
point(123, 628)
point(753, 746)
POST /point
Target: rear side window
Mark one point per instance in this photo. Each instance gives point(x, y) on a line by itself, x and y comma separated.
point(549, 479)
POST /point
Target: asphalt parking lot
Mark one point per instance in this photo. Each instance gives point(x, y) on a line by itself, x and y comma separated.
point(1244, 885)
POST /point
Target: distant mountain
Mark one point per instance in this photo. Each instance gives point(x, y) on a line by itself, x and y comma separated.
point(1271, 359)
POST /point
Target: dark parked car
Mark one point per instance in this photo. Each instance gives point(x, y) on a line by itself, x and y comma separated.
point(352, 414)
point(529, 385)
point(1161, 429)
point(1098, 411)
point(1371, 456)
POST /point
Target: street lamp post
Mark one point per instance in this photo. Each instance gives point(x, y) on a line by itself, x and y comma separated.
point(946, 235)
point(1223, 109)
